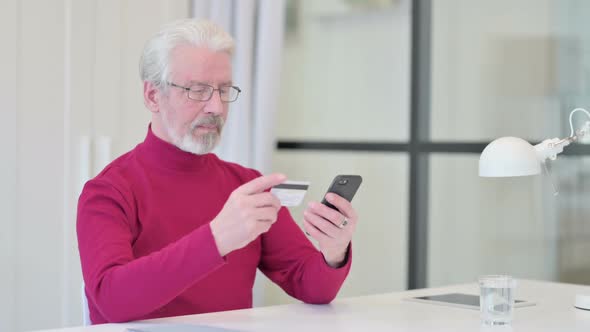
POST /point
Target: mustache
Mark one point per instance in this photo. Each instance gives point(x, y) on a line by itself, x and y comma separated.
point(217, 121)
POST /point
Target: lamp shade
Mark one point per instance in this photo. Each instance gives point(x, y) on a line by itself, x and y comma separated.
point(509, 156)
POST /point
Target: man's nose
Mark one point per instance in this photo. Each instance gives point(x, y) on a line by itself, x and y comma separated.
point(215, 105)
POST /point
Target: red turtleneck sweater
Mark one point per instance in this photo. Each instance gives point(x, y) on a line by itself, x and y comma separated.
point(147, 250)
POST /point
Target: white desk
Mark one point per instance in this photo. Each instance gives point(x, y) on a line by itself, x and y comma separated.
point(553, 311)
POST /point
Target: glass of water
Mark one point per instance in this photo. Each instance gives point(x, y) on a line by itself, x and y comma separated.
point(496, 301)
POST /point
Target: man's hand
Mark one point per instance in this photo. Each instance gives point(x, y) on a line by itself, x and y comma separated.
point(248, 212)
point(332, 229)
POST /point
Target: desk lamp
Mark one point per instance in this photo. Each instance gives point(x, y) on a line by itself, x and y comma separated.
point(513, 156)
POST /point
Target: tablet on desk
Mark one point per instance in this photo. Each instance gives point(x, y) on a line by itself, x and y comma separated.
point(460, 300)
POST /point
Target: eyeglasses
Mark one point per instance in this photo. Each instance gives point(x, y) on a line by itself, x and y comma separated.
point(204, 92)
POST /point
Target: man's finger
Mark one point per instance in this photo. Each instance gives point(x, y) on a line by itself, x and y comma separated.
point(325, 226)
point(266, 199)
point(344, 206)
point(331, 215)
point(266, 214)
point(261, 184)
point(314, 232)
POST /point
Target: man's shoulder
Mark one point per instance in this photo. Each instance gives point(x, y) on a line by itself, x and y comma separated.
point(119, 172)
point(114, 183)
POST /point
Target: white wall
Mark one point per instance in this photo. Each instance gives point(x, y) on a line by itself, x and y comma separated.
point(40, 163)
point(494, 69)
point(487, 226)
point(69, 77)
point(8, 134)
point(346, 74)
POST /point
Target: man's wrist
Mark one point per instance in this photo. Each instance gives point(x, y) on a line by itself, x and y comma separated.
point(336, 260)
point(217, 239)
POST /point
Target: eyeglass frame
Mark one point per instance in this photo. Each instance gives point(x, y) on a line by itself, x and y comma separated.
point(188, 90)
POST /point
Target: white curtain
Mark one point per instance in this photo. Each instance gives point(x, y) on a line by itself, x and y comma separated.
point(257, 27)
point(249, 138)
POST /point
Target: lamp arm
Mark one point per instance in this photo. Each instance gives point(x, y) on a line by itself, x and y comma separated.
point(584, 129)
point(550, 148)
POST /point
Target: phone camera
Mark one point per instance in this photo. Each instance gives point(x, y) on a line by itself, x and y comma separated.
point(343, 181)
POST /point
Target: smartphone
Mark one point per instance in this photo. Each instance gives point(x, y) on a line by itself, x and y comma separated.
point(345, 186)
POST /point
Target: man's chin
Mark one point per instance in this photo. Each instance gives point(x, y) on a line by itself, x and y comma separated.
point(199, 145)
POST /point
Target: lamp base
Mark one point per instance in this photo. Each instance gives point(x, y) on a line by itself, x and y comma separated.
point(582, 302)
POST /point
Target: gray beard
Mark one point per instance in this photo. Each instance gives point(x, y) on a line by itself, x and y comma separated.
point(199, 146)
point(202, 144)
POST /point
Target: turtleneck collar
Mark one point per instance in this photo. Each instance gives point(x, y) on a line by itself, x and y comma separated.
point(162, 154)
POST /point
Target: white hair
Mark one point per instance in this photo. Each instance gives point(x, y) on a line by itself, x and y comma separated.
point(154, 65)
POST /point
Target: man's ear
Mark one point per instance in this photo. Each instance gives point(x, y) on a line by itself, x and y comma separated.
point(151, 96)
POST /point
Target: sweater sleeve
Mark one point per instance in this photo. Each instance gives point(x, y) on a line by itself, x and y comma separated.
point(124, 287)
point(290, 260)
